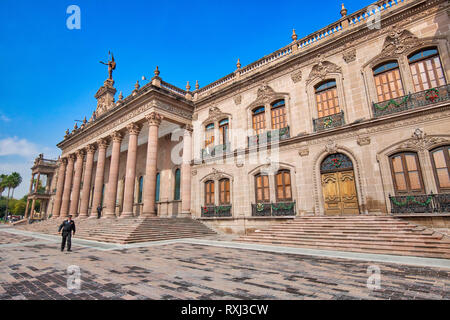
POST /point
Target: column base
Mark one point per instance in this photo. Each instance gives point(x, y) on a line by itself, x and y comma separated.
point(126, 215)
point(83, 216)
point(109, 216)
point(148, 214)
point(184, 215)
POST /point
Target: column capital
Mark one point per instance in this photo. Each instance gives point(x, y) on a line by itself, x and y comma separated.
point(116, 136)
point(90, 148)
point(154, 119)
point(103, 143)
point(63, 161)
point(134, 128)
point(72, 157)
point(188, 128)
point(80, 154)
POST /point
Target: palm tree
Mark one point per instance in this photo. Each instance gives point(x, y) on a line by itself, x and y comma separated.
point(16, 180)
point(2, 183)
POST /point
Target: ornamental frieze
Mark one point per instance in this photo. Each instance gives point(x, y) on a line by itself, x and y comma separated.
point(420, 141)
point(125, 118)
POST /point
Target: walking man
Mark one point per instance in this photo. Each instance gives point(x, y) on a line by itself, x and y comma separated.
point(99, 211)
point(67, 227)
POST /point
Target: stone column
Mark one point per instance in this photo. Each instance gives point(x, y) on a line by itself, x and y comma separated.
point(99, 176)
point(111, 192)
point(87, 182)
point(59, 188)
point(186, 172)
point(67, 186)
point(27, 207)
point(76, 183)
point(154, 120)
point(130, 175)
point(36, 187)
point(32, 207)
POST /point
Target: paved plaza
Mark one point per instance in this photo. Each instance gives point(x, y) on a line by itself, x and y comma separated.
point(34, 268)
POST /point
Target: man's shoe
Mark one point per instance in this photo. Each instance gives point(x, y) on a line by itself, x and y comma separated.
point(69, 250)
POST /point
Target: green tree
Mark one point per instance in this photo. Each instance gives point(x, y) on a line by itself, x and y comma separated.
point(2, 183)
point(15, 181)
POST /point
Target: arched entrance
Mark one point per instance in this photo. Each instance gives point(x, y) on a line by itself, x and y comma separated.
point(338, 185)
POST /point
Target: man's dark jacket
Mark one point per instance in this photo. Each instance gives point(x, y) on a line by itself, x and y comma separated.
point(67, 226)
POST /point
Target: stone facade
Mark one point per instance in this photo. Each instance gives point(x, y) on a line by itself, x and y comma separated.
point(170, 146)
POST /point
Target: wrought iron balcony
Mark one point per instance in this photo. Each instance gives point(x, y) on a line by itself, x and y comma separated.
point(412, 101)
point(216, 211)
point(423, 203)
point(329, 122)
point(269, 137)
point(214, 151)
point(273, 209)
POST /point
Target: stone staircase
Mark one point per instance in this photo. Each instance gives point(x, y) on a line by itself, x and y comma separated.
point(369, 234)
point(128, 230)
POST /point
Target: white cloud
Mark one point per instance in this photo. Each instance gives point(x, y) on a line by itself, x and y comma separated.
point(4, 118)
point(24, 169)
point(13, 146)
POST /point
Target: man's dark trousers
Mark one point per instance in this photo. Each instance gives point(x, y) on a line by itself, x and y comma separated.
point(66, 236)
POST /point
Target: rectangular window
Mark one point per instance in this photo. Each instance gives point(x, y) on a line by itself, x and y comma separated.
point(283, 183)
point(327, 102)
point(224, 191)
point(209, 136)
point(427, 74)
point(279, 117)
point(209, 193)
point(406, 173)
point(259, 120)
point(389, 85)
point(262, 188)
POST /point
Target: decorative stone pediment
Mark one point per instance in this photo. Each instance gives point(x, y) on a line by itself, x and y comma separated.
point(264, 95)
point(216, 175)
point(215, 114)
point(399, 41)
point(322, 69)
point(105, 98)
point(420, 141)
point(331, 147)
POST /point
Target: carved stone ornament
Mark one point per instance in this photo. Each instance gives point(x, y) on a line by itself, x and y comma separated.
point(216, 174)
point(105, 99)
point(363, 140)
point(322, 69)
point(133, 128)
point(194, 172)
point(398, 41)
point(90, 148)
point(349, 55)
point(238, 99)
point(420, 141)
point(331, 147)
point(215, 114)
point(116, 136)
point(154, 119)
point(296, 76)
point(102, 143)
point(303, 152)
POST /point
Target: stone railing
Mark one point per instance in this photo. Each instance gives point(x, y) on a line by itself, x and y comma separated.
point(412, 101)
point(329, 122)
point(421, 203)
point(172, 88)
point(273, 209)
point(353, 20)
point(216, 211)
point(269, 137)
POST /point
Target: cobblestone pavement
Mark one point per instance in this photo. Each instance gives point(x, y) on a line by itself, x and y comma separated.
point(36, 269)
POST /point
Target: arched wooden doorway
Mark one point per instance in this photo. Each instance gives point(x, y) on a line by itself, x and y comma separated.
point(338, 185)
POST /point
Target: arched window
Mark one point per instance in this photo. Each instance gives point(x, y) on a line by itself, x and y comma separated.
point(158, 182)
point(388, 81)
point(209, 193)
point(140, 188)
point(283, 185)
point(441, 166)
point(406, 173)
point(262, 188)
point(426, 69)
point(259, 119)
point(223, 130)
point(327, 98)
point(278, 112)
point(224, 191)
point(176, 195)
point(209, 135)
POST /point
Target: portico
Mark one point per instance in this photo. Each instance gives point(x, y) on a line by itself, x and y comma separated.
point(102, 161)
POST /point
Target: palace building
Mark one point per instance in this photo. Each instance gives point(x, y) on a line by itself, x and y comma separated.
point(350, 120)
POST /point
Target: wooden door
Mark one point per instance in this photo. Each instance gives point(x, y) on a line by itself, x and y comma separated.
point(339, 192)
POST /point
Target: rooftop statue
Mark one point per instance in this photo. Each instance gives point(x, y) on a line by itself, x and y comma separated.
point(111, 65)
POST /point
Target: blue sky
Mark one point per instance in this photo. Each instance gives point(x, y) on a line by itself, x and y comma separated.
point(49, 74)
